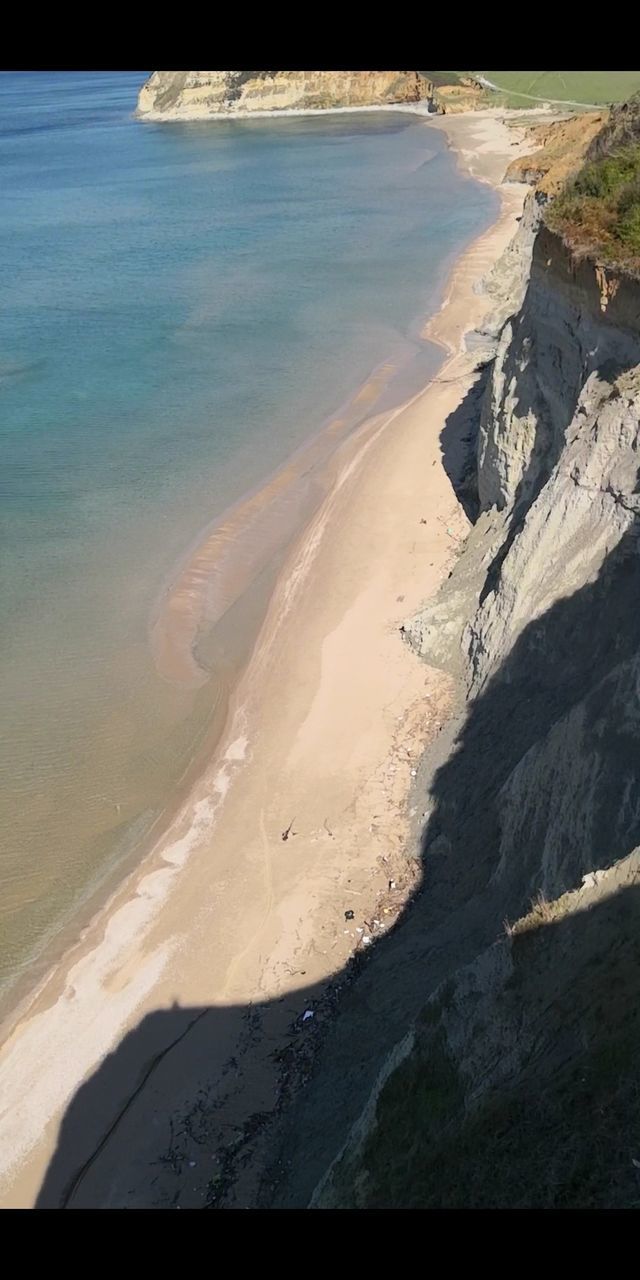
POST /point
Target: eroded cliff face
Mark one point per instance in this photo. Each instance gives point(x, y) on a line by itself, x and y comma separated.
point(195, 95)
point(537, 793)
point(560, 149)
point(550, 573)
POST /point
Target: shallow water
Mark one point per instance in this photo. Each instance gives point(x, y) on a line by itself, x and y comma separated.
point(183, 306)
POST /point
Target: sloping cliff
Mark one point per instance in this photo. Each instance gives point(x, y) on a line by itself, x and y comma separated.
point(515, 1083)
point(195, 95)
point(560, 148)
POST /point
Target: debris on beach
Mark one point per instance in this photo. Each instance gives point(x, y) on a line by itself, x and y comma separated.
point(288, 830)
point(308, 1013)
point(349, 915)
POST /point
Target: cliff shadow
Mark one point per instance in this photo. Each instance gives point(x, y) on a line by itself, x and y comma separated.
point(530, 1098)
point(166, 1119)
point(459, 444)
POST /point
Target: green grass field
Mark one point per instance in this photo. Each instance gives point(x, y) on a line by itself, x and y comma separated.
point(589, 87)
point(443, 77)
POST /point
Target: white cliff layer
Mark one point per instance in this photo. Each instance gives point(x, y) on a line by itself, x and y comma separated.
point(196, 95)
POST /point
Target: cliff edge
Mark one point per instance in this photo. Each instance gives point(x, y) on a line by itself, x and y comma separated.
point(197, 95)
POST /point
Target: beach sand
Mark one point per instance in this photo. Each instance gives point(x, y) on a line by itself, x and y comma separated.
point(161, 1035)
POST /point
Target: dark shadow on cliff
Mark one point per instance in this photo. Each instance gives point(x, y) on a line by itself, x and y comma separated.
point(459, 443)
point(552, 1037)
point(128, 1111)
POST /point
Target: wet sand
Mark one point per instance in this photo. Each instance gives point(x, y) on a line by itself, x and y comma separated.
point(175, 1005)
point(229, 558)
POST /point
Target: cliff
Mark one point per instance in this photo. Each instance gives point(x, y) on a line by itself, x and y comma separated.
point(513, 1084)
point(560, 149)
point(541, 596)
point(195, 95)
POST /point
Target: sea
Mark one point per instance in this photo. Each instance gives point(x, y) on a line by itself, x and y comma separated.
point(193, 317)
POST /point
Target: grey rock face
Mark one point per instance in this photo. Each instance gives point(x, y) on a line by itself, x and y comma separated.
point(434, 631)
point(578, 517)
point(544, 596)
point(545, 356)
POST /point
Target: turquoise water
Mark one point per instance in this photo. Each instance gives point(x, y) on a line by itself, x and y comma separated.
point(182, 306)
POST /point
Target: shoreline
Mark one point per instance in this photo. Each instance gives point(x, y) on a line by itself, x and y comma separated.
point(198, 117)
point(273, 745)
point(311, 461)
point(420, 108)
point(312, 458)
point(65, 938)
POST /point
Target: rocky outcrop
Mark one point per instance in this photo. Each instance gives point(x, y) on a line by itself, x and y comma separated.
point(560, 148)
point(195, 95)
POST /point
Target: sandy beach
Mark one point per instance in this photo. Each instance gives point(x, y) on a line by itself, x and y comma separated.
point(162, 1033)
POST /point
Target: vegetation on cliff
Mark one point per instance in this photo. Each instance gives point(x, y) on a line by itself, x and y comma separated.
point(560, 150)
point(598, 211)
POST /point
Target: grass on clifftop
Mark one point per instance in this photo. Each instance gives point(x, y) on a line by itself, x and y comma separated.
point(592, 88)
point(443, 77)
point(598, 212)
